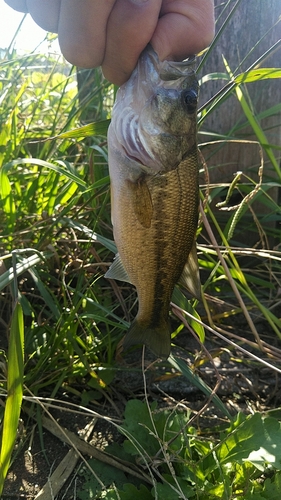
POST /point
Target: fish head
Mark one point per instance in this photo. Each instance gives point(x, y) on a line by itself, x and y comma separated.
point(168, 124)
point(172, 111)
point(154, 119)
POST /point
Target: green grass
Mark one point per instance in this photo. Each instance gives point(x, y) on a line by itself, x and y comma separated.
point(56, 243)
point(14, 391)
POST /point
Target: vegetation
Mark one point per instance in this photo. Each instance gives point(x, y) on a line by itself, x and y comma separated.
point(182, 464)
point(62, 321)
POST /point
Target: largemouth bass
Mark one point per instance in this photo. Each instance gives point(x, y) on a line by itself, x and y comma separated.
point(153, 166)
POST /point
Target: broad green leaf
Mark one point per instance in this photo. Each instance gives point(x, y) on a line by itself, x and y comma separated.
point(272, 487)
point(217, 491)
point(147, 429)
point(254, 496)
point(110, 494)
point(131, 492)
point(173, 491)
point(256, 440)
point(105, 476)
point(138, 424)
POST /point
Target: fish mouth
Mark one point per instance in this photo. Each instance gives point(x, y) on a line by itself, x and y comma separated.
point(174, 70)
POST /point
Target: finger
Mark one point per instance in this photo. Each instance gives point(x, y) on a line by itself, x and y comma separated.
point(82, 31)
point(45, 13)
point(184, 28)
point(130, 28)
point(19, 5)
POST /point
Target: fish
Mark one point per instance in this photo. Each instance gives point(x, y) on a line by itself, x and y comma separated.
point(153, 169)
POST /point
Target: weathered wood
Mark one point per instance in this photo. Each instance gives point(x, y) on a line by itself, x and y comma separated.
point(252, 30)
point(59, 477)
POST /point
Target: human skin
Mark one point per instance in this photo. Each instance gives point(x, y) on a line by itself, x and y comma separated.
point(113, 33)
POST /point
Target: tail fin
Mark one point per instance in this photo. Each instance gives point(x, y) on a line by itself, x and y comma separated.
point(157, 339)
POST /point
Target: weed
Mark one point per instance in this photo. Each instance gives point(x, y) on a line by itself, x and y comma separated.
point(242, 460)
point(56, 243)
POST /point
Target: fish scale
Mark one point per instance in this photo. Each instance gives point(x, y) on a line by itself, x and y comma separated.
point(176, 233)
point(155, 205)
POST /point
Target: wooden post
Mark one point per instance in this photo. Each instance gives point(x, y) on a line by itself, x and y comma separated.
point(252, 30)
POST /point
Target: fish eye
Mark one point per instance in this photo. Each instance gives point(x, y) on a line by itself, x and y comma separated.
point(189, 98)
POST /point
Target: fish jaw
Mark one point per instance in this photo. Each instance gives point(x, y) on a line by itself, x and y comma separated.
point(152, 118)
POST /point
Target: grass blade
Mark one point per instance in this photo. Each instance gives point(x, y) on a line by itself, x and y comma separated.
point(14, 391)
point(257, 75)
point(95, 128)
point(254, 123)
point(8, 276)
point(182, 367)
point(109, 244)
point(62, 170)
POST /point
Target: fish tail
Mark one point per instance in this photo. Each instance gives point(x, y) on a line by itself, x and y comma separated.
point(157, 339)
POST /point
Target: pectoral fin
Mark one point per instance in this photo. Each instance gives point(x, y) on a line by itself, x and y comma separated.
point(141, 201)
point(117, 271)
point(190, 278)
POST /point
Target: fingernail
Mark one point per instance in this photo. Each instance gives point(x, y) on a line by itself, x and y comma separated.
point(139, 1)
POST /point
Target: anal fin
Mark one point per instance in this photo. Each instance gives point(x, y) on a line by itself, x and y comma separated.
point(190, 277)
point(117, 271)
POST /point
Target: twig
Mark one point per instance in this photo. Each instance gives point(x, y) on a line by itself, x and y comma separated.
point(228, 341)
point(81, 446)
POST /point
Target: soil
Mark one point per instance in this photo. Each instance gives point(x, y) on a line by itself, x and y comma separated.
point(246, 385)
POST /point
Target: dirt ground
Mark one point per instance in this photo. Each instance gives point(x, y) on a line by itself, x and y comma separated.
point(246, 385)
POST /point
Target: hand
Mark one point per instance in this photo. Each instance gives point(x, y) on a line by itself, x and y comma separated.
point(113, 33)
